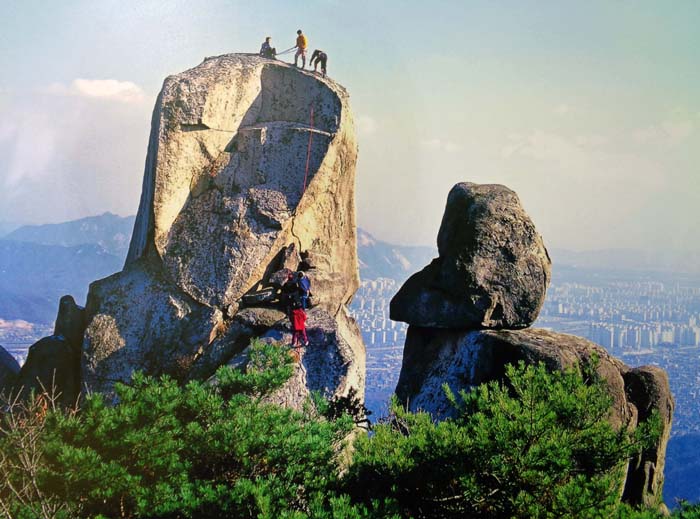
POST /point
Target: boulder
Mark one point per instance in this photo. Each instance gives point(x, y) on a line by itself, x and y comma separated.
point(70, 322)
point(227, 201)
point(53, 366)
point(280, 277)
point(139, 320)
point(492, 270)
point(464, 359)
point(9, 368)
point(647, 387)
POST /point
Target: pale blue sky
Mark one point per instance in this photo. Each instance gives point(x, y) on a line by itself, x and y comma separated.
point(589, 110)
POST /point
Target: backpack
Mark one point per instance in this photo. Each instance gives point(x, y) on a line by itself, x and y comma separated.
point(305, 285)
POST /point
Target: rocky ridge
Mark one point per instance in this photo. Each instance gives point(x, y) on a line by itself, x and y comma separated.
point(469, 313)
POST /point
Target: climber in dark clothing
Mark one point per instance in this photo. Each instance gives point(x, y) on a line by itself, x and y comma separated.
point(266, 50)
point(290, 294)
point(319, 57)
point(304, 287)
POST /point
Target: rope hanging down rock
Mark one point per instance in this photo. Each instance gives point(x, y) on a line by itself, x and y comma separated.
point(308, 150)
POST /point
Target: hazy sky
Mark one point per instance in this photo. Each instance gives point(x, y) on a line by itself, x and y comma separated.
point(589, 110)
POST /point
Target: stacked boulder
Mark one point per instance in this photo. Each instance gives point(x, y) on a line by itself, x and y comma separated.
point(469, 314)
point(250, 174)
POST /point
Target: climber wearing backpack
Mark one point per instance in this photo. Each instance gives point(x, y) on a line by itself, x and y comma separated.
point(304, 286)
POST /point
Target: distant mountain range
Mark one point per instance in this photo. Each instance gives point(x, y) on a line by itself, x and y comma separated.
point(380, 259)
point(41, 263)
point(33, 277)
point(109, 231)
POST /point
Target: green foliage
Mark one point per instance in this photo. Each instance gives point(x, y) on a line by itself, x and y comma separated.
point(268, 368)
point(167, 451)
point(539, 446)
point(347, 405)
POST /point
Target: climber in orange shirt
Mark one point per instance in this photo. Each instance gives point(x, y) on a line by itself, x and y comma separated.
point(301, 49)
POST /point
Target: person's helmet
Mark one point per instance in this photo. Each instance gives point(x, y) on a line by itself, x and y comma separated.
point(299, 31)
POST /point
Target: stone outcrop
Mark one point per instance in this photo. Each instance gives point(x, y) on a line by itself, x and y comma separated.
point(467, 312)
point(70, 322)
point(52, 365)
point(223, 189)
point(492, 271)
point(647, 387)
point(9, 368)
point(464, 359)
point(250, 171)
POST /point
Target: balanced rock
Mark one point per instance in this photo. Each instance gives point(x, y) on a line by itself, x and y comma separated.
point(464, 359)
point(9, 368)
point(250, 168)
point(492, 271)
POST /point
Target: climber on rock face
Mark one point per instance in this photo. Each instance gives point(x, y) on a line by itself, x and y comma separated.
point(301, 49)
point(266, 50)
point(321, 57)
point(304, 287)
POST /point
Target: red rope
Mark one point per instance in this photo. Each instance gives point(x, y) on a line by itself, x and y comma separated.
point(308, 151)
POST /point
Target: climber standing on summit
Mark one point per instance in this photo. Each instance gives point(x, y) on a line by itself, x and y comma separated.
point(301, 49)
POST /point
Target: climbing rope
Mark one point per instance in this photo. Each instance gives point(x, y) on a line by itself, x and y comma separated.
point(308, 150)
point(285, 51)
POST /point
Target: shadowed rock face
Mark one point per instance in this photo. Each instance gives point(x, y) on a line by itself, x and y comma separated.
point(492, 271)
point(52, 365)
point(9, 368)
point(647, 387)
point(464, 359)
point(227, 201)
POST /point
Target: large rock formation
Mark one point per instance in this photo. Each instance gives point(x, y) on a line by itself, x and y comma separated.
point(9, 368)
point(492, 271)
point(53, 363)
point(250, 170)
point(464, 359)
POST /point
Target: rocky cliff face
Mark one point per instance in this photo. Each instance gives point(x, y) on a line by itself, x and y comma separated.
point(250, 169)
point(469, 311)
